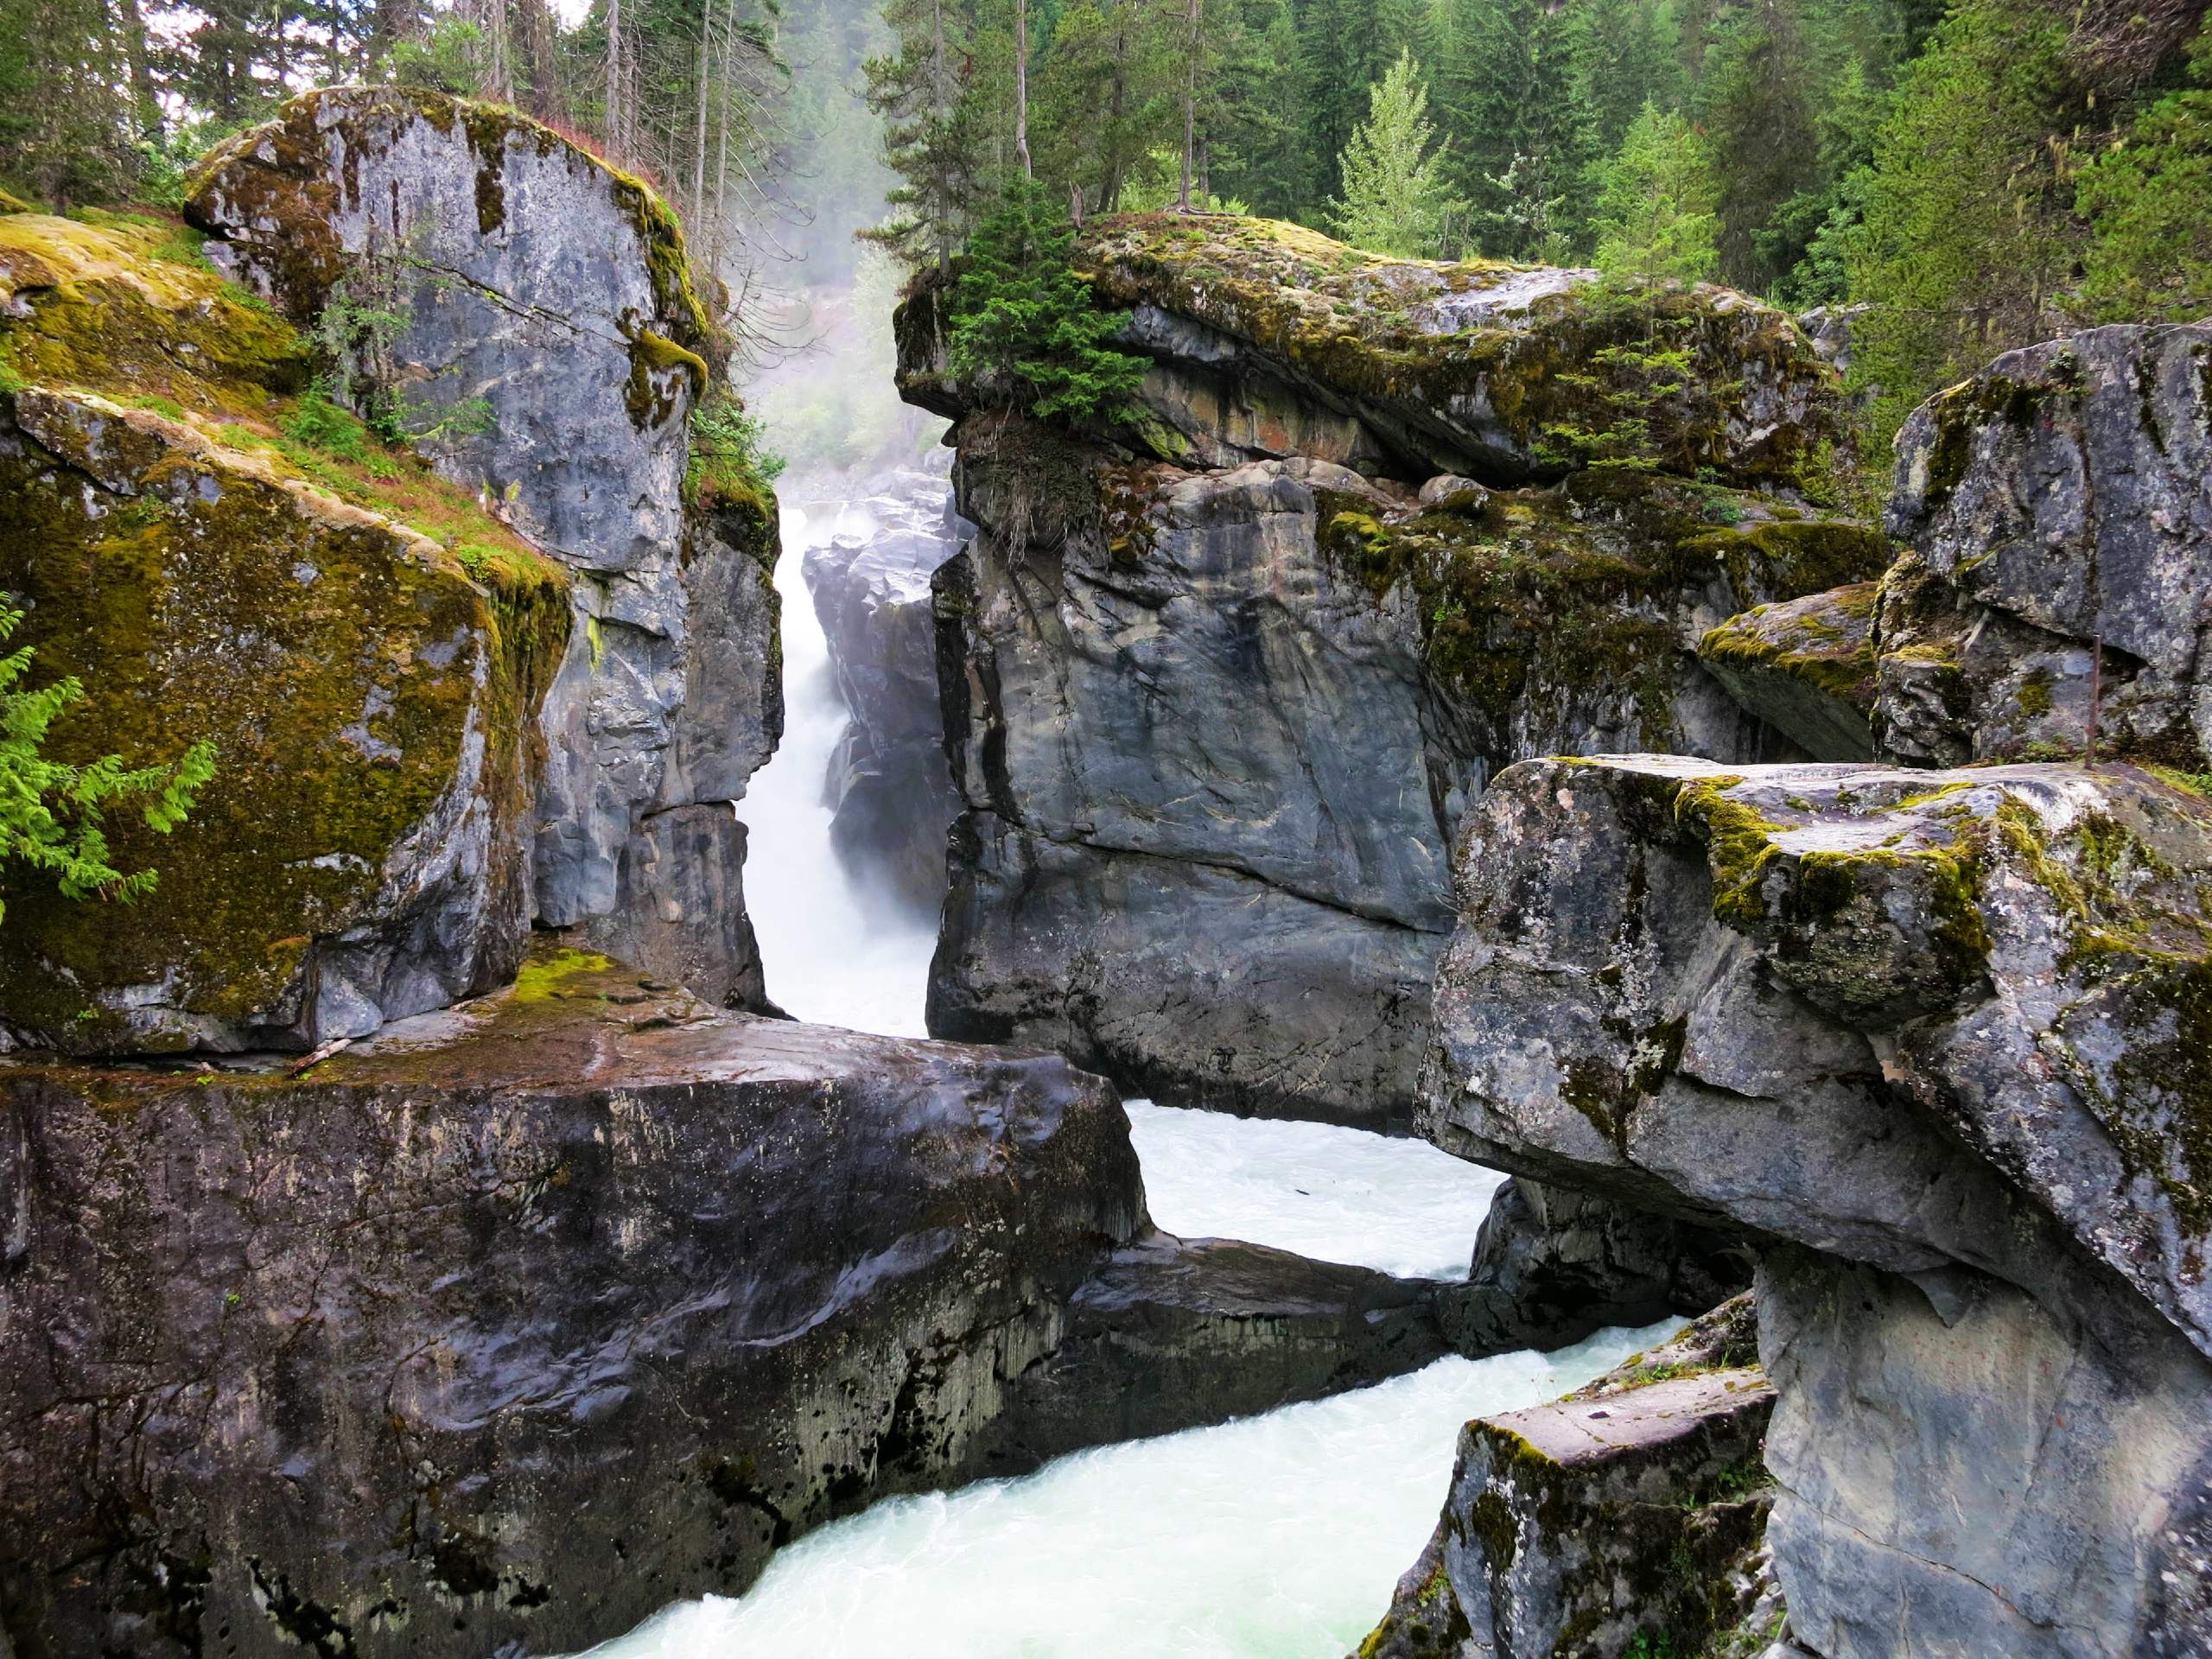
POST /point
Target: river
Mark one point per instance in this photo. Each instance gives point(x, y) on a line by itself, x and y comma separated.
point(1273, 1537)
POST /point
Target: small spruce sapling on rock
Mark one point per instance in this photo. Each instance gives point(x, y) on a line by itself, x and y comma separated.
point(51, 810)
point(1025, 327)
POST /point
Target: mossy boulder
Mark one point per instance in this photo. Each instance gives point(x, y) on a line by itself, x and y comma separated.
point(1805, 667)
point(2059, 506)
point(365, 647)
point(1624, 1519)
point(1270, 340)
point(1938, 1034)
point(530, 312)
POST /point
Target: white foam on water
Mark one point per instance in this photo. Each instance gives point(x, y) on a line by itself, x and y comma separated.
point(835, 954)
point(1273, 1537)
point(1334, 1194)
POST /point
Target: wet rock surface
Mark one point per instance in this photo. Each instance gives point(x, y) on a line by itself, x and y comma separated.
point(1553, 1266)
point(1626, 1517)
point(520, 1319)
point(1934, 1030)
point(551, 351)
point(888, 786)
point(1213, 727)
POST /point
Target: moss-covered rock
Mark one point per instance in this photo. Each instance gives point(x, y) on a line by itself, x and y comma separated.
point(1273, 340)
point(370, 692)
point(1805, 666)
point(538, 324)
point(1626, 1518)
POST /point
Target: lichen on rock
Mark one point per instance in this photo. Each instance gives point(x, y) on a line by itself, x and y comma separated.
point(1932, 1043)
point(365, 648)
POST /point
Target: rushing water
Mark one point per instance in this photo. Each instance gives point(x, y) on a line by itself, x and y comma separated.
point(1273, 1537)
point(834, 955)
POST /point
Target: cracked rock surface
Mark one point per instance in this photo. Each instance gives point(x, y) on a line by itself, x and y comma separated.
point(1936, 1041)
point(550, 351)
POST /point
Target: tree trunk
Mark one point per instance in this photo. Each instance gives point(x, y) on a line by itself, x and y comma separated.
point(1190, 110)
point(941, 106)
point(1022, 86)
point(699, 134)
point(615, 77)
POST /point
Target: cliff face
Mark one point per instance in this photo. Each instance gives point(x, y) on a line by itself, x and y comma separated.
point(527, 312)
point(1932, 1039)
point(1217, 686)
point(2051, 593)
point(367, 649)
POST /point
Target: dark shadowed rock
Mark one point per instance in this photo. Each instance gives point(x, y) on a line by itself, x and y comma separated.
point(889, 788)
point(1625, 1518)
point(1553, 1266)
point(1941, 1031)
point(551, 351)
point(518, 1320)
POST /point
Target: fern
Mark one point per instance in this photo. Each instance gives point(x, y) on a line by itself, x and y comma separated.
point(52, 812)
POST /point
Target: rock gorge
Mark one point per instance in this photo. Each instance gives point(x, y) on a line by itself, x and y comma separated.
point(417, 1234)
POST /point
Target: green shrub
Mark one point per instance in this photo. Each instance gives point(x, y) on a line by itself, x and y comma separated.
point(1026, 331)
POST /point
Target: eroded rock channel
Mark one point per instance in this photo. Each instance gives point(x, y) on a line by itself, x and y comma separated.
point(423, 1230)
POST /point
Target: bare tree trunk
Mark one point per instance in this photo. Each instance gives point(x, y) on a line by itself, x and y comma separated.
point(1190, 110)
point(699, 135)
point(722, 147)
point(615, 77)
point(1022, 86)
point(942, 107)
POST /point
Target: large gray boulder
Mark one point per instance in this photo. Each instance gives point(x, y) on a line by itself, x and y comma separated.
point(549, 349)
point(1938, 1034)
point(509, 1325)
point(2058, 502)
point(1212, 729)
point(889, 791)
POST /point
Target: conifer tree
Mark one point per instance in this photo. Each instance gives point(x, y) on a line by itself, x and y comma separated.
point(1395, 198)
point(1753, 103)
point(1655, 216)
point(1521, 134)
point(1025, 328)
point(52, 812)
point(1962, 248)
point(2148, 202)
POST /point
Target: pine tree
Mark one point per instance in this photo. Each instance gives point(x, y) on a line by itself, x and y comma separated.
point(1521, 134)
point(1964, 243)
point(1025, 327)
point(1341, 58)
point(1626, 53)
point(1395, 198)
point(1752, 101)
point(1654, 218)
point(933, 139)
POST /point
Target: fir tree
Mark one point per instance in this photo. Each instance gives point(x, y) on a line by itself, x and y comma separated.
point(1025, 328)
point(1962, 248)
point(2148, 202)
point(1753, 103)
point(1395, 199)
point(1521, 134)
point(1654, 218)
point(52, 812)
